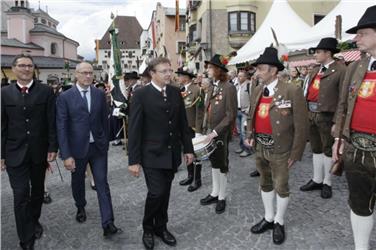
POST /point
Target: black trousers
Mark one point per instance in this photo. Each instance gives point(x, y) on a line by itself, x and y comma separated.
point(158, 182)
point(27, 182)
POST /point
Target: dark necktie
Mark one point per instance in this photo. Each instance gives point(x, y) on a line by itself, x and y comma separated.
point(323, 69)
point(85, 99)
point(24, 90)
point(163, 92)
point(266, 92)
point(373, 66)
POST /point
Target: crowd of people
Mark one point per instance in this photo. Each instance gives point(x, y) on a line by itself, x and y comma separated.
point(172, 117)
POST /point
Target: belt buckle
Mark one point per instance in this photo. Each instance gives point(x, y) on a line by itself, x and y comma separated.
point(363, 141)
point(313, 106)
point(265, 140)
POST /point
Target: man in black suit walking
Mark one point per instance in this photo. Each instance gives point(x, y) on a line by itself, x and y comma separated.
point(158, 128)
point(28, 141)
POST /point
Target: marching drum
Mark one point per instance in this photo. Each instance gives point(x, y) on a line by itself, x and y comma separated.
point(202, 149)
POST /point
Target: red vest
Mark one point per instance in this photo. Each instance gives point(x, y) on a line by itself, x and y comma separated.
point(314, 88)
point(364, 114)
point(262, 118)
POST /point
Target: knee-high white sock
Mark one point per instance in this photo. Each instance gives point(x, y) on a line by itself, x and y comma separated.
point(215, 179)
point(282, 204)
point(318, 168)
point(222, 186)
point(362, 228)
point(327, 165)
point(268, 200)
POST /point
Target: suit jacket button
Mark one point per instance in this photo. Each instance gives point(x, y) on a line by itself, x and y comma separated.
point(28, 132)
point(27, 120)
point(169, 122)
point(170, 134)
point(167, 111)
point(277, 122)
point(24, 108)
point(169, 147)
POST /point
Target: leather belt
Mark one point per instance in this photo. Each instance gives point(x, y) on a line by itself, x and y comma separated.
point(265, 140)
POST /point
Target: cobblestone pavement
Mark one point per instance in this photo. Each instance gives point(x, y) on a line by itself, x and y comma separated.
point(311, 222)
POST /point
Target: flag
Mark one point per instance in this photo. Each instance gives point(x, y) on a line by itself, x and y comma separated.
point(177, 17)
point(115, 75)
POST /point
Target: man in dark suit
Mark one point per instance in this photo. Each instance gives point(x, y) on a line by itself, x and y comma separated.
point(82, 129)
point(158, 128)
point(28, 141)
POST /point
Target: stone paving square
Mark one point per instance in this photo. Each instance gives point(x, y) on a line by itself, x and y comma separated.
point(312, 223)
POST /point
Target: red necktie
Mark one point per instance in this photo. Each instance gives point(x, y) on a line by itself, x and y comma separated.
point(24, 90)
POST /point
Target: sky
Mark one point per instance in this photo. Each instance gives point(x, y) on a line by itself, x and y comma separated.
point(85, 21)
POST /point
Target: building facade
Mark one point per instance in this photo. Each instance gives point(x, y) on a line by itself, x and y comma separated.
point(220, 27)
point(34, 32)
point(129, 34)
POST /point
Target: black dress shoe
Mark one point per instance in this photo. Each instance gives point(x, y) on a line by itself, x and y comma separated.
point(278, 233)
point(38, 232)
point(326, 192)
point(81, 215)
point(28, 245)
point(186, 181)
point(110, 230)
point(208, 200)
point(47, 198)
point(262, 226)
point(166, 237)
point(93, 187)
point(220, 207)
point(148, 240)
point(194, 186)
point(310, 186)
point(254, 174)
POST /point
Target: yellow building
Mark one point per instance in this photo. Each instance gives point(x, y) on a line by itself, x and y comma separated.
point(222, 26)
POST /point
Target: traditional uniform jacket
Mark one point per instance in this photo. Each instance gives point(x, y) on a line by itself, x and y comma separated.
point(27, 123)
point(194, 107)
point(222, 107)
point(330, 86)
point(288, 118)
point(351, 84)
point(158, 128)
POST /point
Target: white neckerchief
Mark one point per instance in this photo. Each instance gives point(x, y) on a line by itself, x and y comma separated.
point(271, 87)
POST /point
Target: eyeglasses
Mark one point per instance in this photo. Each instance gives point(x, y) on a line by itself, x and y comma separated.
point(165, 72)
point(24, 66)
point(86, 73)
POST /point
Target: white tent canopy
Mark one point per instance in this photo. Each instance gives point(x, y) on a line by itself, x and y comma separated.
point(285, 22)
point(350, 10)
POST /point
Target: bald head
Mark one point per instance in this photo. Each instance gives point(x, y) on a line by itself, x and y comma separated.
point(84, 74)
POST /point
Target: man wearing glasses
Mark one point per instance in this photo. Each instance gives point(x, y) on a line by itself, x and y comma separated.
point(28, 141)
point(158, 129)
point(82, 130)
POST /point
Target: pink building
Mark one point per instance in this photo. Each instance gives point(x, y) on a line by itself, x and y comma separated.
point(34, 32)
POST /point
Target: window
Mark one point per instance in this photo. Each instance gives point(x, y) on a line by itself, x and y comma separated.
point(180, 47)
point(242, 21)
point(317, 18)
point(36, 20)
point(44, 21)
point(182, 23)
point(53, 48)
point(233, 19)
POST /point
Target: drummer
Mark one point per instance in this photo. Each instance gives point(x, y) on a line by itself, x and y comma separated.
point(221, 106)
point(194, 107)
